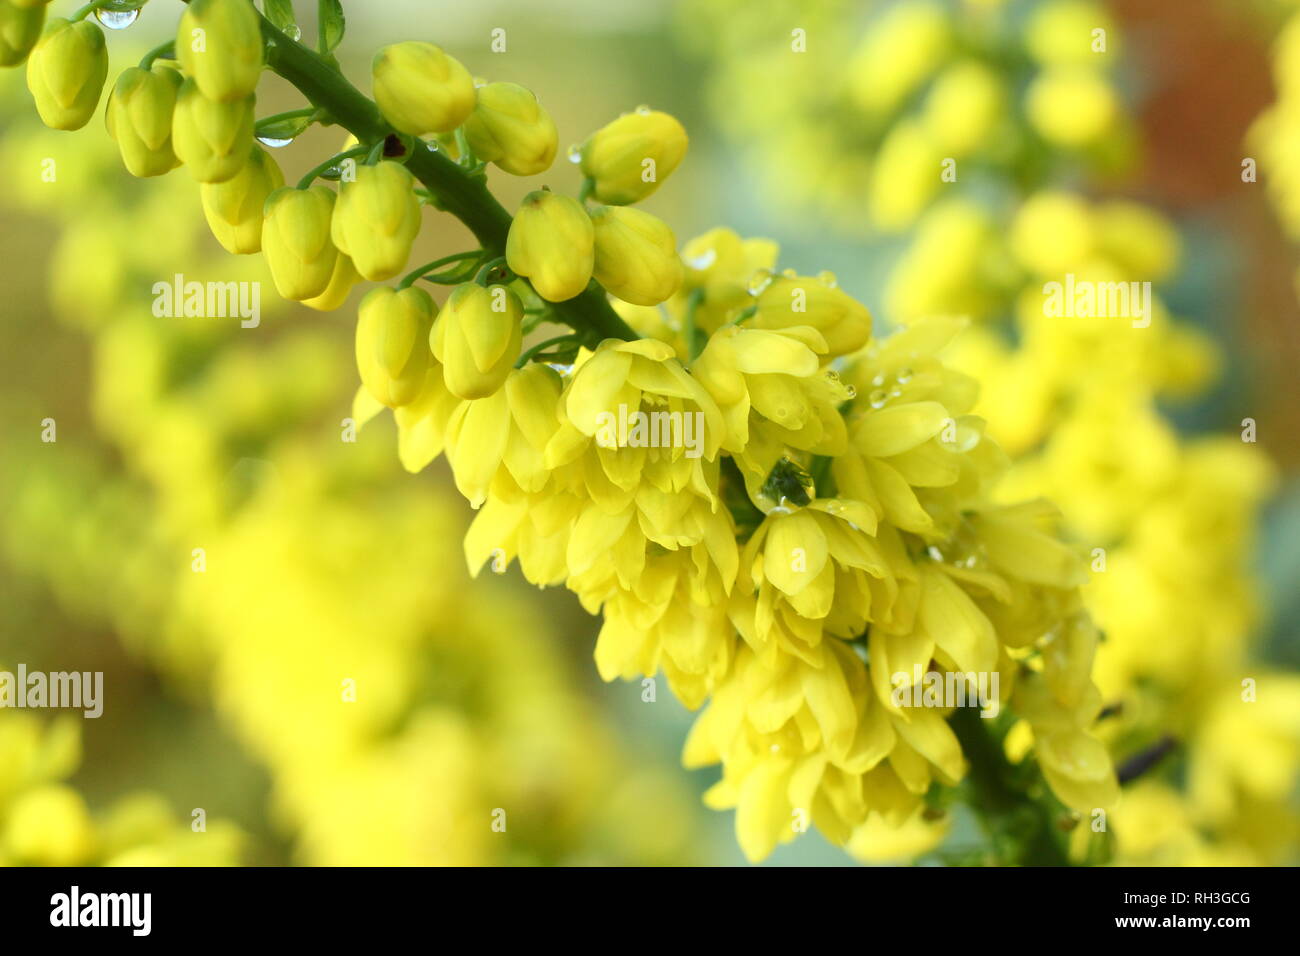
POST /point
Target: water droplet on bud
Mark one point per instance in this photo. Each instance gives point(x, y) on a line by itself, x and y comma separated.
point(575, 154)
point(273, 142)
point(117, 19)
point(790, 273)
point(759, 282)
point(828, 279)
point(878, 398)
point(904, 376)
point(704, 260)
point(643, 110)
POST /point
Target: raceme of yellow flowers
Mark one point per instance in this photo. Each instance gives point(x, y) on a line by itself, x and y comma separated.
point(501, 727)
point(1074, 400)
point(792, 521)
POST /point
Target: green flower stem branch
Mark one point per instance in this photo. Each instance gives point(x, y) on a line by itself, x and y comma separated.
point(464, 196)
point(1023, 830)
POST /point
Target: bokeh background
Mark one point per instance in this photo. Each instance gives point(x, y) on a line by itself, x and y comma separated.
point(326, 562)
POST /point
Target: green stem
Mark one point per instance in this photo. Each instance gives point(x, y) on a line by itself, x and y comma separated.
point(487, 267)
point(411, 278)
point(540, 346)
point(464, 196)
point(310, 178)
point(290, 114)
point(146, 62)
point(87, 10)
point(1009, 815)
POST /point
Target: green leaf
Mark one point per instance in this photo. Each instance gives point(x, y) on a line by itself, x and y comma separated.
point(280, 13)
point(332, 24)
point(283, 127)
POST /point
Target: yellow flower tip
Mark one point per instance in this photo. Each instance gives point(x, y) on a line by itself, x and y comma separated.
point(629, 158)
point(234, 209)
point(376, 219)
point(844, 323)
point(392, 343)
point(139, 118)
point(420, 89)
point(477, 338)
point(552, 242)
point(635, 255)
point(342, 281)
point(213, 139)
point(66, 72)
point(510, 128)
point(219, 44)
point(296, 241)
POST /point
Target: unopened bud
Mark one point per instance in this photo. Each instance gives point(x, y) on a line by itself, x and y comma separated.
point(551, 241)
point(477, 338)
point(377, 219)
point(636, 255)
point(629, 158)
point(393, 343)
point(20, 28)
point(219, 44)
point(66, 72)
point(212, 139)
point(234, 208)
point(139, 118)
point(296, 241)
point(511, 129)
point(420, 89)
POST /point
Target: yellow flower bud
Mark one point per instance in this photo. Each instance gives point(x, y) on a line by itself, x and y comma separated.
point(214, 140)
point(552, 242)
point(844, 322)
point(377, 219)
point(66, 72)
point(393, 343)
point(636, 255)
point(629, 158)
point(420, 89)
point(234, 208)
point(139, 118)
point(50, 826)
point(219, 44)
point(477, 338)
point(20, 28)
point(510, 128)
point(296, 241)
point(342, 282)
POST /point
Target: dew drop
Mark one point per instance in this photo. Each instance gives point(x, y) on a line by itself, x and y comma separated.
point(904, 376)
point(273, 142)
point(293, 32)
point(117, 19)
point(790, 273)
point(759, 282)
point(479, 83)
point(828, 279)
point(704, 260)
point(575, 154)
point(850, 391)
point(895, 392)
point(643, 110)
point(878, 398)
point(878, 381)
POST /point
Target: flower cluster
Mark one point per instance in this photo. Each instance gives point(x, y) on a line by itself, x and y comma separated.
point(794, 522)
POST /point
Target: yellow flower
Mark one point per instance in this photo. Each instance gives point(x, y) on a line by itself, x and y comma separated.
point(477, 338)
point(234, 208)
point(552, 243)
point(721, 265)
point(1071, 106)
point(139, 117)
point(213, 139)
point(66, 72)
point(511, 129)
point(50, 826)
point(392, 343)
point(844, 323)
point(219, 44)
point(20, 28)
point(420, 89)
point(296, 241)
point(376, 220)
point(635, 255)
point(629, 158)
